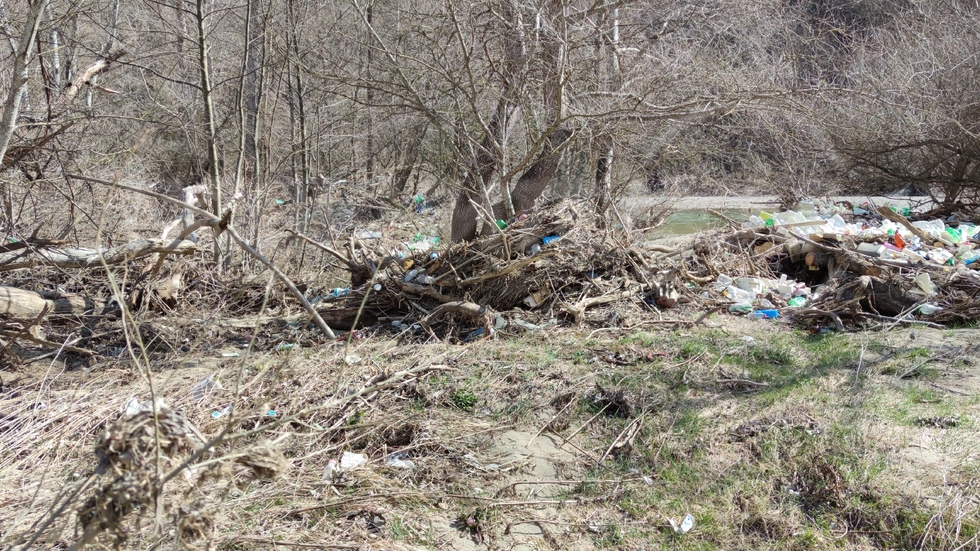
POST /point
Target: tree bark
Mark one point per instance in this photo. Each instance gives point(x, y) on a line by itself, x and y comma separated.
point(465, 216)
point(542, 172)
point(20, 304)
point(610, 80)
point(489, 156)
point(536, 179)
point(11, 109)
point(87, 258)
point(209, 120)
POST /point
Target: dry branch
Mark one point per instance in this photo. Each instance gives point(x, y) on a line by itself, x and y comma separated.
point(31, 242)
point(899, 219)
point(21, 304)
point(216, 225)
point(470, 309)
point(45, 343)
point(577, 310)
point(88, 258)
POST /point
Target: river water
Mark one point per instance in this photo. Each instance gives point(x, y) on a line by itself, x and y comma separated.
point(689, 214)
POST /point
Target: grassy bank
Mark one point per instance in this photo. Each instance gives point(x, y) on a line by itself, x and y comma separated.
point(770, 438)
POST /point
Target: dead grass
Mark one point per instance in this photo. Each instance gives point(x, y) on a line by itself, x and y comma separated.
point(560, 438)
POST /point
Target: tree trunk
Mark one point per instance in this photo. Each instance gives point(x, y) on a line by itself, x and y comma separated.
point(488, 158)
point(610, 80)
point(542, 172)
point(536, 179)
point(465, 215)
point(11, 108)
point(603, 174)
point(210, 128)
point(253, 88)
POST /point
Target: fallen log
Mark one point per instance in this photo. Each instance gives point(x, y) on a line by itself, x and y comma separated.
point(87, 258)
point(341, 319)
point(21, 304)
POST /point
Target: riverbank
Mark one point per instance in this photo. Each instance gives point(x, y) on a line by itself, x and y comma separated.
point(767, 202)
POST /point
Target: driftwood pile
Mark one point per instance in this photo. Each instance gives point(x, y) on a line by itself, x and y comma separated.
point(560, 264)
point(556, 261)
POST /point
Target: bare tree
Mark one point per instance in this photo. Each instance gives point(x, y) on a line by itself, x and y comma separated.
point(911, 120)
point(22, 58)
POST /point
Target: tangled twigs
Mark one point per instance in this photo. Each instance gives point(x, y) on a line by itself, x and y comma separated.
point(818, 313)
point(219, 224)
point(360, 273)
point(47, 344)
point(577, 310)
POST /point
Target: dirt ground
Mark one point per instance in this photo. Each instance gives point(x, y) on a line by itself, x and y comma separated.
point(561, 438)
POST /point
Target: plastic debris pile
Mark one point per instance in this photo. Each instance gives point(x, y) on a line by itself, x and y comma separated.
point(840, 264)
point(877, 237)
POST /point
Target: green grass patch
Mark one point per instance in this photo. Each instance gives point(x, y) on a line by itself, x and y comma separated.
point(464, 399)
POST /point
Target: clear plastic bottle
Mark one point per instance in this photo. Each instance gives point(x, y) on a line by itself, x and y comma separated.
point(740, 295)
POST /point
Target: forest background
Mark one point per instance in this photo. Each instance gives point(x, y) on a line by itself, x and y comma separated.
point(305, 109)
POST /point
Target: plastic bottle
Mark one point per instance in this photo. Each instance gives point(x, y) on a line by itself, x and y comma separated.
point(925, 283)
point(785, 290)
point(912, 256)
point(837, 222)
point(765, 314)
point(340, 291)
point(788, 217)
point(740, 308)
point(954, 235)
point(807, 208)
point(797, 302)
point(929, 308)
point(740, 295)
point(933, 227)
point(722, 282)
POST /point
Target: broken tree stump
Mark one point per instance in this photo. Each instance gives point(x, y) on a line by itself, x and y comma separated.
point(20, 304)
